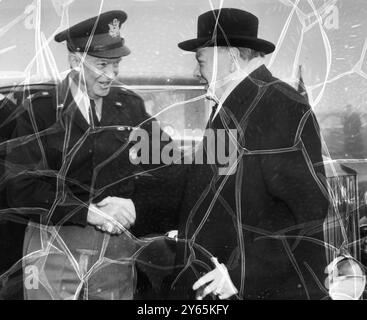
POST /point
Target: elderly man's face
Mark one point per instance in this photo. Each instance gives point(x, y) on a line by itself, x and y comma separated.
point(213, 71)
point(99, 74)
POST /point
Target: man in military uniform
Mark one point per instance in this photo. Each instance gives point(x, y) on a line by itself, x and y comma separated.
point(72, 174)
point(11, 227)
point(7, 124)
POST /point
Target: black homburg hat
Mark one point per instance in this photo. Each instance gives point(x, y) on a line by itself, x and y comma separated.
point(228, 27)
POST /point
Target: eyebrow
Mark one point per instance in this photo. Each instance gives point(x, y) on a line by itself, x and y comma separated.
point(109, 61)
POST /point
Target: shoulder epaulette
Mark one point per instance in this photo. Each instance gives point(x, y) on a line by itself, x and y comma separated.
point(119, 95)
point(125, 91)
point(40, 94)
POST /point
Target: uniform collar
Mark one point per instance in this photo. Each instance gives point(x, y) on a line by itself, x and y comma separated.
point(67, 108)
point(82, 99)
point(241, 99)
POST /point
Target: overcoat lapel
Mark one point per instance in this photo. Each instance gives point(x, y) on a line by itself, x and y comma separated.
point(244, 98)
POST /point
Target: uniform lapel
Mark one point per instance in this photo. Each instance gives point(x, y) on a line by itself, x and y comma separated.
point(114, 111)
point(67, 107)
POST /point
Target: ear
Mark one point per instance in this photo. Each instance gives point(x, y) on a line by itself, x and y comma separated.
point(235, 58)
point(74, 61)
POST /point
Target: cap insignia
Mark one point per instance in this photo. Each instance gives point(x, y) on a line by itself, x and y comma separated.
point(114, 28)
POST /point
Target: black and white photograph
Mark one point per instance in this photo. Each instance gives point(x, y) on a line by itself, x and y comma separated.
point(206, 151)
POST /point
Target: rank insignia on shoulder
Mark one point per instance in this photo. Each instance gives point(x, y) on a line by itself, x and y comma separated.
point(37, 95)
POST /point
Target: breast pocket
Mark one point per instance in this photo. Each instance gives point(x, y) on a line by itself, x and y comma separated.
point(119, 142)
point(113, 149)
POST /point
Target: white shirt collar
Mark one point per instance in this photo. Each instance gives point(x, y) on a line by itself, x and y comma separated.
point(82, 100)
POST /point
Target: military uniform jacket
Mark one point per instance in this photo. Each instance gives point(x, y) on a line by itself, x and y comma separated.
point(61, 164)
point(264, 221)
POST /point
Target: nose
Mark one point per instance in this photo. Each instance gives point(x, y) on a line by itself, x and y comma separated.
point(197, 73)
point(111, 71)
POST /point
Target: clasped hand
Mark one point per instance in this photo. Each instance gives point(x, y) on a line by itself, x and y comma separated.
point(112, 215)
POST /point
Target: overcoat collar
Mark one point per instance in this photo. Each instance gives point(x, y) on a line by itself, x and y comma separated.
point(245, 96)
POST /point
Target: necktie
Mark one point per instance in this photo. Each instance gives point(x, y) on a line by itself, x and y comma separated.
point(214, 109)
point(93, 114)
point(207, 143)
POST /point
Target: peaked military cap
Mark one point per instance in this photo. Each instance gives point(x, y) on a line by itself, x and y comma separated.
point(98, 36)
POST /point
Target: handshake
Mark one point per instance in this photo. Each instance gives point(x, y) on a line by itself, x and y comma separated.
point(112, 215)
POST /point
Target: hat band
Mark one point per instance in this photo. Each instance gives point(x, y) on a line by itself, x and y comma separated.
point(97, 48)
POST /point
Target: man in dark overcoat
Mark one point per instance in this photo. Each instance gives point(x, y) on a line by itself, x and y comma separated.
point(251, 229)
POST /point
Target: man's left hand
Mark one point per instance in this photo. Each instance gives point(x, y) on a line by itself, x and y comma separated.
point(121, 211)
point(217, 282)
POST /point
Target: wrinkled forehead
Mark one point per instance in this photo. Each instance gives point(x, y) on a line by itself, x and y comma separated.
point(96, 60)
point(204, 52)
point(210, 52)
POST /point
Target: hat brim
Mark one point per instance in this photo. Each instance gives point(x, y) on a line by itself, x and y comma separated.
point(233, 41)
point(111, 53)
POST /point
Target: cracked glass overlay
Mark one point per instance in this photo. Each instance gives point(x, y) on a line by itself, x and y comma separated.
point(340, 227)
